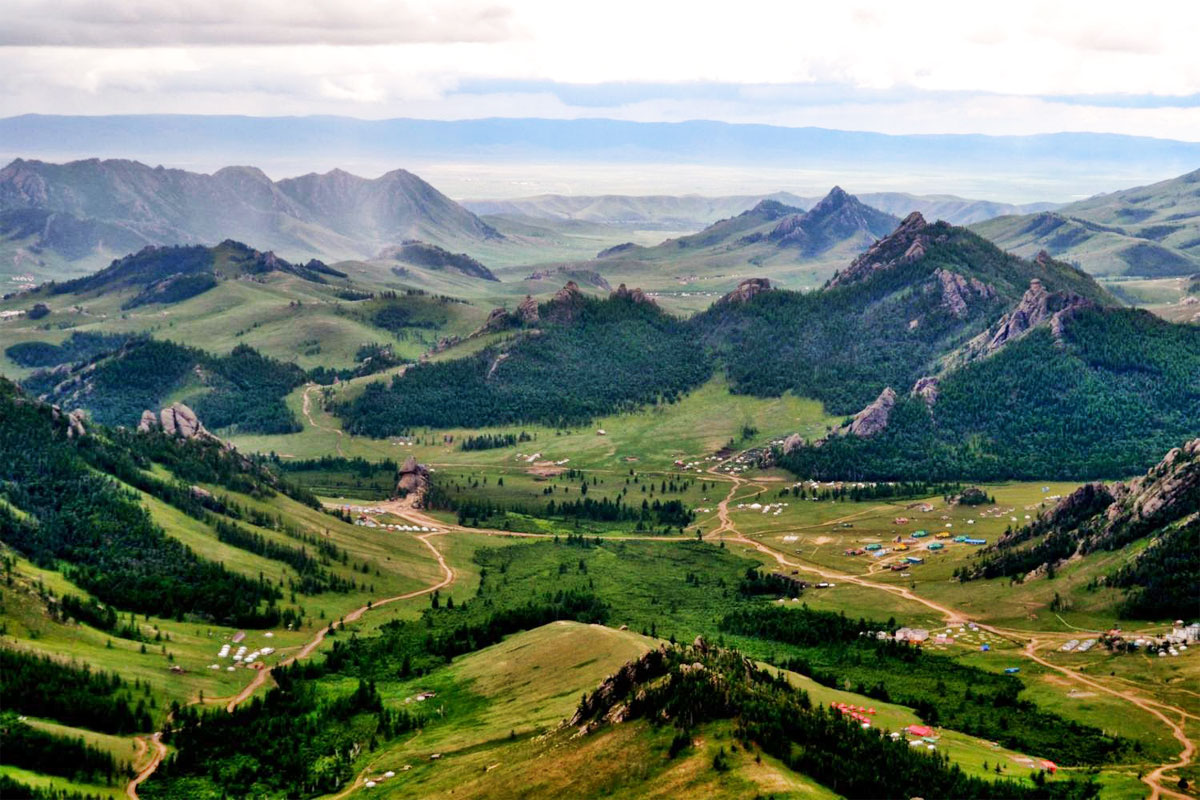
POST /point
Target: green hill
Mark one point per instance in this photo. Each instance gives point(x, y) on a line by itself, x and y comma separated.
point(1148, 231)
point(1102, 394)
point(886, 320)
point(585, 357)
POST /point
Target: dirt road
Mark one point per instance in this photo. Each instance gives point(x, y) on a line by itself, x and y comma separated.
point(309, 647)
point(1153, 779)
point(307, 408)
point(160, 752)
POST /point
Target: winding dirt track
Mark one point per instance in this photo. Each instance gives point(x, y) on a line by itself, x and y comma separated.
point(1153, 779)
point(160, 752)
point(309, 647)
point(307, 408)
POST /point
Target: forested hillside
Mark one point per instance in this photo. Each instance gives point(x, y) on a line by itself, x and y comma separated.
point(885, 321)
point(1105, 399)
point(586, 358)
point(1163, 504)
point(243, 389)
point(62, 513)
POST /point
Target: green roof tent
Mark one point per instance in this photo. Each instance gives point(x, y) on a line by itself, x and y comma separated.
point(873, 547)
point(919, 534)
point(936, 546)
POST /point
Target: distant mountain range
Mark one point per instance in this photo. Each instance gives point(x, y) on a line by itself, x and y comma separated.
point(688, 212)
point(90, 211)
point(771, 238)
point(1060, 165)
point(1148, 231)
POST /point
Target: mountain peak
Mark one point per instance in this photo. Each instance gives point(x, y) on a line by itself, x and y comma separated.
point(907, 243)
point(837, 218)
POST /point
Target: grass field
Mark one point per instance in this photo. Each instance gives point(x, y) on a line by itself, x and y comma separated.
point(701, 423)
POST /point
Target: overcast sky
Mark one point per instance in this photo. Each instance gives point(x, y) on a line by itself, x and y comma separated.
point(894, 67)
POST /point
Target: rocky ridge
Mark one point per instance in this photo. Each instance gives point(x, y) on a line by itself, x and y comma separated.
point(1037, 306)
point(904, 245)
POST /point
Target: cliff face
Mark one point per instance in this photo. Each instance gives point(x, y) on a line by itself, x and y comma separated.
point(874, 418)
point(1105, 516)
point(1037, 306)
point(751, 287)
point(904, 245)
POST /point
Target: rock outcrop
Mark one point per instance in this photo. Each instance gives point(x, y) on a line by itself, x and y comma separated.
point(960, 292)
point(874, 418)
point(148, 422)
point(1037, 306)
point(904, 245)
point(1108, 516)
point(565, 303)
point(412, 480)
point(528, 310)
point(635, 295)
point(926, 389)
point(179, 420)
point(792, 442)
point(751, 287)
point(500, 319)
point(75, 424)
point(606, 703)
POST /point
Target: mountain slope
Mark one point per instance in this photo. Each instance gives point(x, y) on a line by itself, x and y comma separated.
point(887, 319)
point(116, 205)
point(1149, 231)
point(773, 239)
point(1094, 393)
point(1163, 504)
point(576, 358)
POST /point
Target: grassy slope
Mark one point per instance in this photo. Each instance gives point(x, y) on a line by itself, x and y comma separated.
point(1146, 231)
point(701, 423)
point(499, 735)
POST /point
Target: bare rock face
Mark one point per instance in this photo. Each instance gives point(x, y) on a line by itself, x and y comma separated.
point(528, 310)
point(568, 294)
point(149, 422)
point(635, 295)
point(792, 442)
point(498, 320)
point(179, 420)
point(1036, 307)
point(75, 424)
point(1168, 491)
point(413, 478)
point(927, 389)
point(606, 701)
point(958, 291)
point(747, 289)
point(874, 418)
point(904, 245)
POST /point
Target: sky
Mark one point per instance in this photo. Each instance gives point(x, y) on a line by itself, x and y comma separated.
point(913, 67)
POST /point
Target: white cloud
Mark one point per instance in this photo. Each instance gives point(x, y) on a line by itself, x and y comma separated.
point(928, 67)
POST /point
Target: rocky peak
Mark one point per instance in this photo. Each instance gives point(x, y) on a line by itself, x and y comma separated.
point(1168, 491)
point(1037, 306)
point(907, 243)
point(528, 310)
point(874, 418)
point(635, 295)
point(747, 289)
